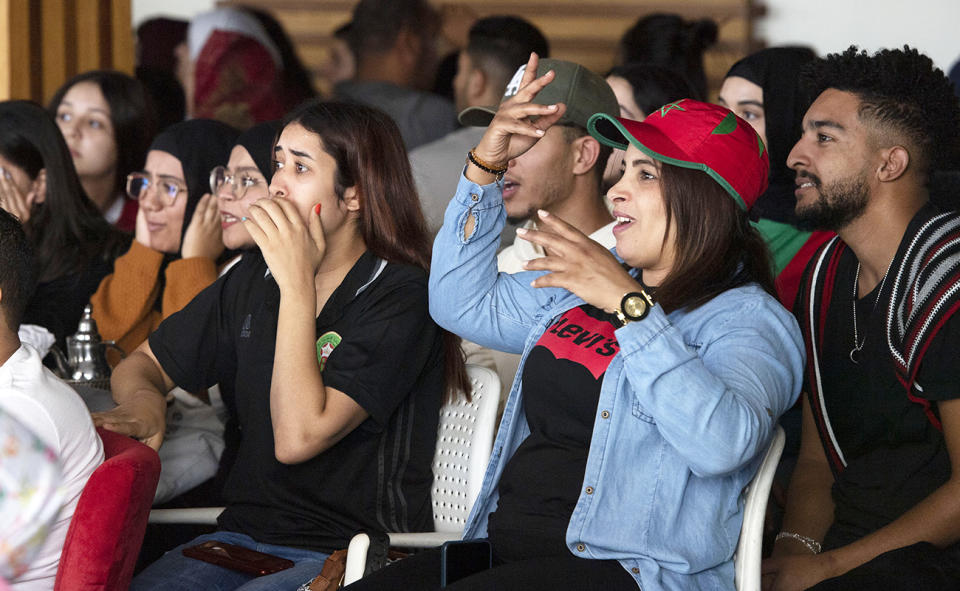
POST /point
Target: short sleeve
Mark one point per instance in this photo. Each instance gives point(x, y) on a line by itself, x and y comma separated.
point(938, 370)
point(194, 345)
point(386, 347)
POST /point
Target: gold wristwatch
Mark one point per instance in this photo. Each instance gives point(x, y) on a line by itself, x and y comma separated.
point(634, 306)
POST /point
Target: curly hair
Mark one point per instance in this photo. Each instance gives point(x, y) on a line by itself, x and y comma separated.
point(901, 91)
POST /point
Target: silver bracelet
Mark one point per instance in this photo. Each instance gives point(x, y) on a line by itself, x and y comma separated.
point(810, 543)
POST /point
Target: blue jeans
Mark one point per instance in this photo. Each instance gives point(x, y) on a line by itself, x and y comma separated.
point(174, 571)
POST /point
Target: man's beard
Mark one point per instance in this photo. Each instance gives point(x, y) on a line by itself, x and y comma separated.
point(552, 193)
point(837, 204)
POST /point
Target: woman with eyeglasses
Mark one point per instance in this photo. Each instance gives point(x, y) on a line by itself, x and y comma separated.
point(178, 239)
point(73, 246)
point(199, 451)
point(244, 180)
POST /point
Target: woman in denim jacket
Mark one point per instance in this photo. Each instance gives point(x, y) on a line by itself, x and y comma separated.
point(634, 481)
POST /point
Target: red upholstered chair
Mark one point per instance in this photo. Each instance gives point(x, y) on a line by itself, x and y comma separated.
point(108, 525)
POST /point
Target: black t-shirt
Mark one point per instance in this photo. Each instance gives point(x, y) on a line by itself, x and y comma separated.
point(541, 483)
point(57, 305)
point(377, 344)
point(895, 456)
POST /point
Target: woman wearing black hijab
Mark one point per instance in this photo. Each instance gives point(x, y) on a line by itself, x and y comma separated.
point(764, 89)
point(178, 239)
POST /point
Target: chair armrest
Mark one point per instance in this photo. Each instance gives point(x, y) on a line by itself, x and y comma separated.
point(360, 546)
point(356, 558)
point(202, 515)
point(426, 539)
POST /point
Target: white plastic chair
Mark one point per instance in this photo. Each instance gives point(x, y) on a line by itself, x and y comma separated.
point(747, 559)
point(464, 443)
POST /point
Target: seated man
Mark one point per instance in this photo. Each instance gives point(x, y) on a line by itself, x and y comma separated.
point(876, 486)
point(562, 174)
point(34, 396)
point(393, 42)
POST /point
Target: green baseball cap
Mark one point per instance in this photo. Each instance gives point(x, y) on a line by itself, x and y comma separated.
point(583, 92)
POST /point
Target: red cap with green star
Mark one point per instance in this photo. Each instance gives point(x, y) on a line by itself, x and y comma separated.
point(698, 135)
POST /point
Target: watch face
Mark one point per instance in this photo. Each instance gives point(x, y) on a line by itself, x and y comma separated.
point(635, 307)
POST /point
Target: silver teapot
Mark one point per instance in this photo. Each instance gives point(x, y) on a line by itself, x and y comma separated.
point(86, 360)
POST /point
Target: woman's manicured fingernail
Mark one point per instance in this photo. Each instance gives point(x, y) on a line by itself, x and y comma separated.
point(521, 231)
point(243, 219)
point(543, 213)
point(316, 209)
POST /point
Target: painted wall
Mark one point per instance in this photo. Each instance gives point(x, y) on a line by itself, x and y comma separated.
point(933, 26)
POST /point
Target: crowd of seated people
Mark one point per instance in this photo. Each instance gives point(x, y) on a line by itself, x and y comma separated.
point(660, 273)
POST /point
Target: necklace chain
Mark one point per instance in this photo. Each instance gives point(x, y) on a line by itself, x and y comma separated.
point(857, 343)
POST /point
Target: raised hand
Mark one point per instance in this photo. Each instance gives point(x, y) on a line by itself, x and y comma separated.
point(142, 231)
point(204, 236)
point(511, 132)
point(13, 199)
point(577, 263)
point(292, 248)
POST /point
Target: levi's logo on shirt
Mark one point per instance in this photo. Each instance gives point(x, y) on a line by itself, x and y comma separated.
point(581, 338)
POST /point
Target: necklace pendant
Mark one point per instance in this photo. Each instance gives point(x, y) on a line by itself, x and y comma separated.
point(855, 355)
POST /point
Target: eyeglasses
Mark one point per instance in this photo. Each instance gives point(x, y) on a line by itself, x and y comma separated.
point(139, 182)
point(240, 182)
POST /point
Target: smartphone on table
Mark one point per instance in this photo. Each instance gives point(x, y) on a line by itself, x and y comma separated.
point(462, 558)
point(238, 558)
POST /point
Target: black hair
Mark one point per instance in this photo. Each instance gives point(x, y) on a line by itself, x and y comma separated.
point(501, 44)
point(376, 24)
point(166, 93)
point(653, 86)
point(131, 115)
point(670, 41)
point(16, 269)
point(902, 91)
point(66, 230)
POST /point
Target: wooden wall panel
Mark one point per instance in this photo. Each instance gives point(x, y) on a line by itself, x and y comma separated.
point(45, 42)
point(585, 31)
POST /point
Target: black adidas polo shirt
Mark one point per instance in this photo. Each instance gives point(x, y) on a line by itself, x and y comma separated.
point(377, 344)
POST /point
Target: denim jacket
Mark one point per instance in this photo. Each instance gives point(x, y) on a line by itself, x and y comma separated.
point(686, 409)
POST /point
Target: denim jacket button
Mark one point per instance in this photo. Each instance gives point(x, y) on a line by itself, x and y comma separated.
point(581, 547)
point(589, 490)
point(474, 197)
point(605, 414)
point(635, 570)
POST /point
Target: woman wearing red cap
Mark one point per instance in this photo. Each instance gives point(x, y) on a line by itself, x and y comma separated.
point(652, 376)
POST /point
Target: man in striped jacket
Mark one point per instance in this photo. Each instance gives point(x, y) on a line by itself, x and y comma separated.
point(875, 501)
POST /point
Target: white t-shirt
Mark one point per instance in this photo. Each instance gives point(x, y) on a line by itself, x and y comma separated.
point(38, 399)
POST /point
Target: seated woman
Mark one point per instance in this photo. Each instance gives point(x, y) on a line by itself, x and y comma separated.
point(198, 430)
point(178, 239)
point(108, 124)
point(325, 338)
point(652, 377)
point(764, 90)
point(74, 247)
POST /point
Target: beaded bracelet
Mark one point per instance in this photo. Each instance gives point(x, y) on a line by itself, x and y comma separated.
point(810, 543)
point(485, 166)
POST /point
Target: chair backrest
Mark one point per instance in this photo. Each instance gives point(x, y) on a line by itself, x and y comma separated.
point(750, 547)
point(108, 525)
point(464, 442)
